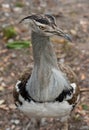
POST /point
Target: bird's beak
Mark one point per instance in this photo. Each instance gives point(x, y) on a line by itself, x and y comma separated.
point(59, 32)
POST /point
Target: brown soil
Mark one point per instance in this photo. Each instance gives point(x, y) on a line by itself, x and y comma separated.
point(73, 17)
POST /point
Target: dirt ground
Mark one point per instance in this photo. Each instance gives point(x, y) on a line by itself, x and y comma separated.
point(73, 17)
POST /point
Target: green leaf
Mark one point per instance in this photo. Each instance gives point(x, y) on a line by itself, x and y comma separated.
point(18, 44)
point(9, 32)
point(85, 107)
point(19, 4)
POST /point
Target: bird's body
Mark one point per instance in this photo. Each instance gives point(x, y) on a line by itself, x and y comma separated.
point(39, 109)
point(48, 91)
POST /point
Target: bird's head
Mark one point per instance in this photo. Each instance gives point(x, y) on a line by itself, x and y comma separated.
point(45, 25)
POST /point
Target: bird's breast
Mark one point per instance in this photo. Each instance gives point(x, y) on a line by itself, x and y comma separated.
point(46, 86)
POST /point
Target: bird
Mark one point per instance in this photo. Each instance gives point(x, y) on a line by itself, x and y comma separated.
point(49, 89)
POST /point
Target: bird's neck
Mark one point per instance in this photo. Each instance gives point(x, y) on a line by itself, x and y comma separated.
point(42, 80)
point(43, 52)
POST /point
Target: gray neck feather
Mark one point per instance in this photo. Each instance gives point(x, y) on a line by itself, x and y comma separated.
point(43, 50)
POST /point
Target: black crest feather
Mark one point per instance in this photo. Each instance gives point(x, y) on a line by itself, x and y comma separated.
point(44, 19)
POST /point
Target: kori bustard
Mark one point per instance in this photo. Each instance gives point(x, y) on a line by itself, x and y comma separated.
point(48, 91)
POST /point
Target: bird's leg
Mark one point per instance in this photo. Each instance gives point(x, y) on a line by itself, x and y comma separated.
point(28, 126)
point(37, 124)
point(34, 124)
point(64, 125)
point(40, 122)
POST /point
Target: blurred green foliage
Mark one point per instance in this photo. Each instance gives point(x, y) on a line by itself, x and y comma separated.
point(85, 107)
point(9, 32)
point(18, 44)
point(19, 4)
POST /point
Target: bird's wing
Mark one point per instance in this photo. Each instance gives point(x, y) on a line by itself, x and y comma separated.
point(72, 77)
point(73, 80)
point(20, 87)
point(26, 74)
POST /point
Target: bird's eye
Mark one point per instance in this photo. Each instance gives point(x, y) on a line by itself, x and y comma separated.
point(42, 28)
